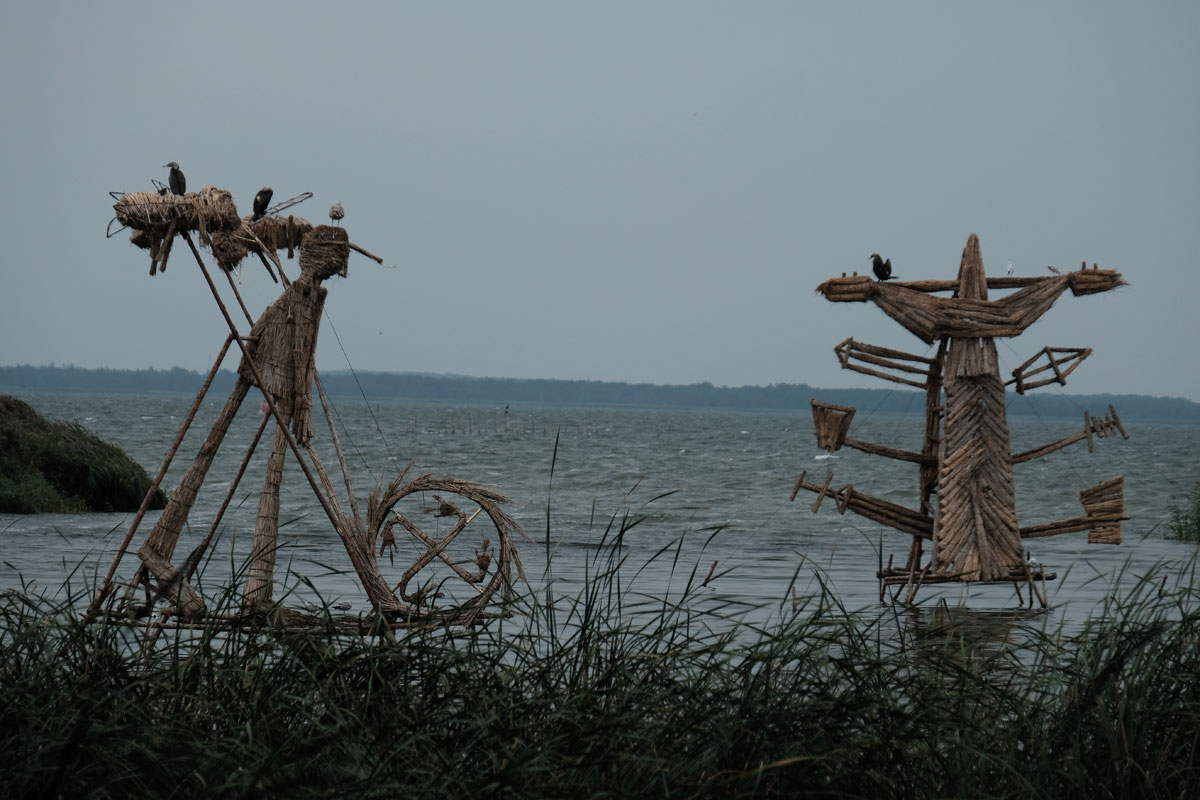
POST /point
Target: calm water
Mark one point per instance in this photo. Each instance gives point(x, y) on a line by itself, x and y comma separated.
point(716, 481)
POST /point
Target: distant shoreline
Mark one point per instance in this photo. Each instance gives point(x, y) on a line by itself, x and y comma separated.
point(389, 386)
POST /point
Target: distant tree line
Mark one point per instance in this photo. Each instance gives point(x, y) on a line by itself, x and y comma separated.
point(461, 389)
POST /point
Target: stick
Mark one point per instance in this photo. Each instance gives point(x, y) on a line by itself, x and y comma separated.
point(353, 246)
point(106, 586)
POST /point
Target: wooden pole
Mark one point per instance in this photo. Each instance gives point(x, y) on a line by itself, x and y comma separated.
point(106, 586)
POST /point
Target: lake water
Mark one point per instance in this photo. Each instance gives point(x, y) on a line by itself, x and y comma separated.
point(710, 486)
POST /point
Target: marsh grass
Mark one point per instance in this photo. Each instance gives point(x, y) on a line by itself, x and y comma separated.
point(611, 691)
point(1184, 523)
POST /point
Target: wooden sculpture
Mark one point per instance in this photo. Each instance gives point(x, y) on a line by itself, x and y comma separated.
point(278, 358)
point(967, 509)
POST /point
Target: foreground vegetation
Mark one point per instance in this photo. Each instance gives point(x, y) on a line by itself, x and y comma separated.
point(59, 467)
point(1184, 523)
point(611, 693)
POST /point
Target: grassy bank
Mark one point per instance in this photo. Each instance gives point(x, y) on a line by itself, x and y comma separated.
point(610, 693)
point(59, 467)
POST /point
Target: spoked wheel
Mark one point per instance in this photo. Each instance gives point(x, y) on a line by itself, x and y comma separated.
point(456, 539)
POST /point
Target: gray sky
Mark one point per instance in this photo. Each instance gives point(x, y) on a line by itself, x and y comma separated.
point(614, 191)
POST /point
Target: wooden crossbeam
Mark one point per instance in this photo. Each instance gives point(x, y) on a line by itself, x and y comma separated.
point(1062, 361)
point(849, 351)
point(1100, 426)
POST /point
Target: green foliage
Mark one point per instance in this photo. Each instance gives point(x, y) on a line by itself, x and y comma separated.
point(1185, 518)
point(609, 693)
point(59, 467)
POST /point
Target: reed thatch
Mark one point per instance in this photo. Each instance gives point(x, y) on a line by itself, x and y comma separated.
point(325, 251)
point(208, 210)
point(266, 235)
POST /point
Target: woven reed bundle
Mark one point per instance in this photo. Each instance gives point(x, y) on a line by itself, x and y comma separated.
point(229, 248)
point(259, 236)
point(977, 533)
point(831, 423)
point(278, 233)
point(855, 288)
point(493, 575)
point(1105, 499)
point(325, 251)
point(209, 209)
point(1091, 281)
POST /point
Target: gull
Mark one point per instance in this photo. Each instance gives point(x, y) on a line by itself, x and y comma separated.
point(336, 212)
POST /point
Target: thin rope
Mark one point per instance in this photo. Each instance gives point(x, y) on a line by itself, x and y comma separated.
point(386, 444)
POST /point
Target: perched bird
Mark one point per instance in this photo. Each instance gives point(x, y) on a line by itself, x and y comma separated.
point(342, 606)
point(261, 201)
point(1010, 268)
point(336, 212)
point(175, 179)
point(1031, 561)
point(883, 269)
point(1054, 269)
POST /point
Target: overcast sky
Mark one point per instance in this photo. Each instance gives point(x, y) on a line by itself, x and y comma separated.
point(627, 191)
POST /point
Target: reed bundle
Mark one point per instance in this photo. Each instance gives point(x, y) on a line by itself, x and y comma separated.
point(326, 251)
point(1105, 503)
point(831, 422)
point(208, 210)
point(263, 236)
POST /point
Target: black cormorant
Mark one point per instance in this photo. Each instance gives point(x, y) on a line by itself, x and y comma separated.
point(175, 179)
point(883, 269)
point(336, 212)
point(261, 201)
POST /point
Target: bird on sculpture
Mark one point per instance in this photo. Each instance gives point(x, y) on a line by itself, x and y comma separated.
point(1054, 269)
point(261, 201)
point(175, 179)
point(336, 212)
point(883, 269)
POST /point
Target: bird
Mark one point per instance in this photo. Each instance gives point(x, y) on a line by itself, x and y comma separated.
point(1010, 268)
point(1031, 561)
point(342, 606)
point(883, 269)
point(336, 212)
point(1054, 269)
point(261, 201)
point(175, 179)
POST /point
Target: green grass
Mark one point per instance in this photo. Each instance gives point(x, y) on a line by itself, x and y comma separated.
point(1184, 523)
point(59, 467)
point(609, 692)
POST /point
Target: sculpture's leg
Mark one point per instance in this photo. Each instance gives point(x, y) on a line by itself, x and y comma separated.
point(266, 527)
point(159, 546)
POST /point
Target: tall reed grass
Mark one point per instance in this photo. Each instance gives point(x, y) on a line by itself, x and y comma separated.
point(612, 692)
point(1184, 523)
